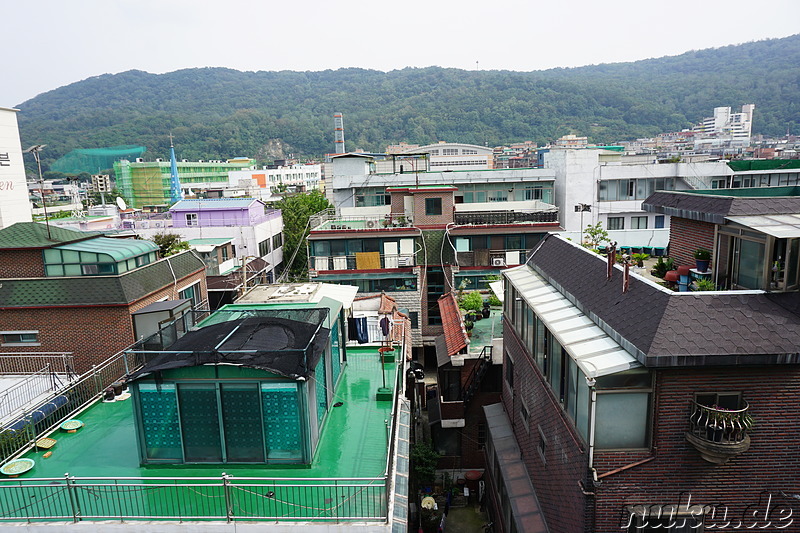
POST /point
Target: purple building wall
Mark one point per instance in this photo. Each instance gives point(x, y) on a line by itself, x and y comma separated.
point(223, 212)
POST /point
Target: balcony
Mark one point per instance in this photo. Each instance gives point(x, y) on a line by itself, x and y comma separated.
point(512, 212)
point(328, 220)
point(719, 434)
point(352, 262)
point(492, 258)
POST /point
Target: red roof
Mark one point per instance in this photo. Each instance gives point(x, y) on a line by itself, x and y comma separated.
point(455, 336)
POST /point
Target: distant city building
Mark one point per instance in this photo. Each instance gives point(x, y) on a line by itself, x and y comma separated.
point(454, 156)
point(292, 178)
point(571, 141)
point(725, 129)
point(14, 204)
point(147, 183)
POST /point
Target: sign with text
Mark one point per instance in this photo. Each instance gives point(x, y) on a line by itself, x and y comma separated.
point(14, 204)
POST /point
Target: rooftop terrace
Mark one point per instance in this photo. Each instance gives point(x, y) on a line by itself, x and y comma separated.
point(347, 479)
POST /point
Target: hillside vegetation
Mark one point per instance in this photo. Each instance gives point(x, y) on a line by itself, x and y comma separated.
point(220, 113)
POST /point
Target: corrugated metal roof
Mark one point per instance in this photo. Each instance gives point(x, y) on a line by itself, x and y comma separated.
point(782, 226)
point(117, 249)
point(593, 351)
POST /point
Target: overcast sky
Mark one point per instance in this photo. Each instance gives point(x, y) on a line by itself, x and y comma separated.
point(50, 43)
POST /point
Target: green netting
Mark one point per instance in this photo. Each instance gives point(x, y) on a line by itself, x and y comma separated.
point(92, 160)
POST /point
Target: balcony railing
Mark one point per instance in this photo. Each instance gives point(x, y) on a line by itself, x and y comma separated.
point(349, 262)
point(719, 434)
point(491, 258)
point(505, 217)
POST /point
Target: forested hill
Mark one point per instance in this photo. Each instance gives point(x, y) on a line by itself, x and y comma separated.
point(219, 113)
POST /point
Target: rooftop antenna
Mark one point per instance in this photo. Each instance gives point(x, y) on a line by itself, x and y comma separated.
point(35, 149)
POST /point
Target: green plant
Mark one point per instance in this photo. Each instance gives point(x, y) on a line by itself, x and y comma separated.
point(494, 300)
point(472, 301)
point(639, 258)
point(424, 459)
point(660, 268)
point(702, 254)
point(705, 285)
point(468, 325)
point(594, 235)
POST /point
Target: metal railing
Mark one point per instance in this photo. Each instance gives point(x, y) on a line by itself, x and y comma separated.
point(370, 221)
point(28, 362)
point(349, 262)
point(26, 391)
point(718, 425)
point(193, 498)
point(41, 418)
point(504, 217)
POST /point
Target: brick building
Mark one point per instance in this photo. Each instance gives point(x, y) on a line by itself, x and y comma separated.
point(68, 291)
point(642, 410)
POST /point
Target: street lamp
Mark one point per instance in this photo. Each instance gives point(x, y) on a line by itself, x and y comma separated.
point(581, 208)
point(35, 149)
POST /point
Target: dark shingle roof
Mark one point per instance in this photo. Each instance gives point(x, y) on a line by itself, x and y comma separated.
point(662, 328)
point(34, 235)
point(97, 290)
point(714, 209)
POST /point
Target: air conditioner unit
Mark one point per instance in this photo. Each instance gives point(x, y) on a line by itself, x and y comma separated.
point(498, 262)
point(370, 223)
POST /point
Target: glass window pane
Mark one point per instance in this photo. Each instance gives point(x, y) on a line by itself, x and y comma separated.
point(582, 406)
point(621, 420)
point(751, 264)
point(161, 431)
point(282, 422)
point(244, 438)
point(200, 423)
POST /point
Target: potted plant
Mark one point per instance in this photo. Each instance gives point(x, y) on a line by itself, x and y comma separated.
point(640, 259)
point(468, 325)
point(702, 258)
point(705, 285)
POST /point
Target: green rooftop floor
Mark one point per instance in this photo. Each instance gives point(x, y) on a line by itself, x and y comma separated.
point(353, 445)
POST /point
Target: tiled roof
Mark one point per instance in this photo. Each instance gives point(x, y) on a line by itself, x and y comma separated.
point(97, 290)
point(454, 335)
point(663, 328)
point(714, 209)
point(34, 235)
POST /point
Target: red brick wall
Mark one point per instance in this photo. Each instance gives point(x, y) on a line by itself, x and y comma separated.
point(21, 264)
point(92, 334)
point(686, 236)
point(771, 465)
point(398, 203)
point(421, 219)
point(566, 461)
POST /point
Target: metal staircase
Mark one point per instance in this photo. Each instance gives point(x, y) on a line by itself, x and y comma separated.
point(473, 383)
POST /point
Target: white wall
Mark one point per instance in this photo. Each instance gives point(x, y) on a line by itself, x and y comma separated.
point(14, 204)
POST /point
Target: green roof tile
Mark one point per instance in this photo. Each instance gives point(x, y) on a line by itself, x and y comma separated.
point(97, 290)
point(34, 235)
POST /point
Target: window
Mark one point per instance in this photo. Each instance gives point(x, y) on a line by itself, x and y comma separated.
point(541, 446)
point(481, 436)
point(224, 253)
point(277, 241)
point(19, 337)
point(414, 316)
point(638, 222)
point(192, 292)
point(433, 206)
point(449, 151)
point(263, 248)
point(616, 223)
point(191, 219)
point(509, 371)
point(524, 414)
point(659, 222)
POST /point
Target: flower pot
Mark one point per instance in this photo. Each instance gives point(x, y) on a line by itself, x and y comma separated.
point(486, 312)
point(702, 264)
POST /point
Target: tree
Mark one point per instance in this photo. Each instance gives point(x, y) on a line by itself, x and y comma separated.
point(297, 210)
point(169, 243)
point(594, 235)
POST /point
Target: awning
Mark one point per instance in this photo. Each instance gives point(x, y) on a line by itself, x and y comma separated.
point(341, 293)
point(497, 289)
point(781, 226)
point(590, 347)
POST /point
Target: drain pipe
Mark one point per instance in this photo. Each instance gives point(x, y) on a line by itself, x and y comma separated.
point(592, 412)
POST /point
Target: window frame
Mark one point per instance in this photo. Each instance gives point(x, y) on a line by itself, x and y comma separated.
point(4, 340)
point(433, 206)
point(191, 219)
point(621, 221)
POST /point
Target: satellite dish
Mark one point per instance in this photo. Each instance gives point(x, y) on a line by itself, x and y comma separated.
point(121, 204)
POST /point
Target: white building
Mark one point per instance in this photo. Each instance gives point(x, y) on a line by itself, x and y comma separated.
point(725, 128)
point(14, 204)
point(269, 181)
point(455, 156)
point(614, 191)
